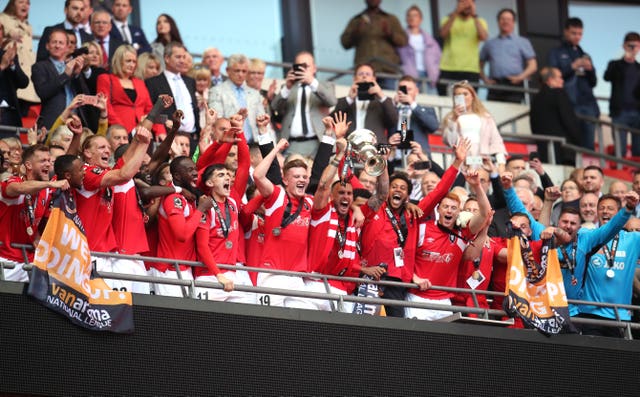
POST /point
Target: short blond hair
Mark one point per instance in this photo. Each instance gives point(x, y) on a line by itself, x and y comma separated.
point(118, 58)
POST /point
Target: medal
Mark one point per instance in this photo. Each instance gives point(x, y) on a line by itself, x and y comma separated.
point(476, 275)
point(276, 231)
point(228, 244)
point(611, 273)
point(145, 218)
point(29, 230)
point(340, 254)
point(574, 281)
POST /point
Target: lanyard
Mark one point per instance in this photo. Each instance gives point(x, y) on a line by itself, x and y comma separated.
point(611, 255)
point(225, 223)
point(451, 232)
point(399, 228)
point(535, 271)
point(288, 217)
point(569, 261)
point(30, 209)
point(342, 238)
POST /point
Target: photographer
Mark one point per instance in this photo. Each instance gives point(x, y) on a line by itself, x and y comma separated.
point(367, 106)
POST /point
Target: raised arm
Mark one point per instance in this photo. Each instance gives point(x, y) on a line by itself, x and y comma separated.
point(135, 154)
point(323, 191)
point(477, 221)
point(264, 185)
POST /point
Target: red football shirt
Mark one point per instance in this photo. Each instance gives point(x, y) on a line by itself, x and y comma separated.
point(178, 220)
point(287, 250)
point(324, 247)
point(128, 221)
point(438, 258)
point(95, 208)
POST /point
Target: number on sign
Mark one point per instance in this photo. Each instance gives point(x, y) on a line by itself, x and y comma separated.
point(265, 300)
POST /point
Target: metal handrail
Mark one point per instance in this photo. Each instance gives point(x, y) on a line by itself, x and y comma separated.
point(191, 284)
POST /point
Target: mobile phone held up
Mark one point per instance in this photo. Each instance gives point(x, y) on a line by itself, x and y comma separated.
point(458, 100)
point(363, 91)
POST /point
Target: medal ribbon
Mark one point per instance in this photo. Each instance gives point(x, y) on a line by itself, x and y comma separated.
point(610, 255)
point(535, 271)
point(569, 261)
point(399, 228)
point(225, 223)
point(288, 217)
point(342, 238)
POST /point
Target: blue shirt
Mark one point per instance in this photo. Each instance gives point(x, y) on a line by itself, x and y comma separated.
point(579, 88)
point(515, 205)
point(586, 240)
point(617, 289)
point(507, 55)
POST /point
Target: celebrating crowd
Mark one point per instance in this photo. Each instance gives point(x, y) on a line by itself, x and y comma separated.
point(172, 160)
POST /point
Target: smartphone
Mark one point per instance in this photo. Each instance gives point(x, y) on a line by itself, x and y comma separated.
point(79, 51)
point(90, 100)
point(403, 89)
point(299, 67)
point(422, 165)
point(534, 155)
point(458, 100)
point(363, 91)
point(160, 119)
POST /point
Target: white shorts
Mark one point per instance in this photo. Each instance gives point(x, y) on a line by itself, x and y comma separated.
point(283, 282)
point(320, 287)
point(170, 289)
point(15, 274)
point(239, 277)
point(426, 314)
point(124, 266)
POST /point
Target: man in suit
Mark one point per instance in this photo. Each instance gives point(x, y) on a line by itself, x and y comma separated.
point(124, 31)
point(182, 88)
point(371, 109)
point(12, 77)
point(303, 101)
point(421, 120)
point(552, 114)
point(212, 57)
point(74, 12)
point(54, 79)
point(234, 94)
point(101, 28)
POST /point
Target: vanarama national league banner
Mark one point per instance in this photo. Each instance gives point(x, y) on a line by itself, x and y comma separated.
point(61, 276)
point(535, 291)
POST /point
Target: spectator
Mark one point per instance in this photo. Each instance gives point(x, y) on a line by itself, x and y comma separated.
point(462, 31)
point(127, 96)
point(101, 29)
point(124, 31)
point(579, 78)
point(624, 75)
point(18, 194)
point(421, 57)
point(53, 77)
point(212, 57)
point(511, 59)
point(302, 102)
point(570, 194)
point(420, 120)
point(74, 13)
point(149, 65)
point(588, 210)
point(167, 32)
point(593, 180)
point(471, 120)
point(552, 114)
point(117, 136)
point(636, 188)
point(202, 76)
point(234, 94)
point(14, 19)
point(368, 108)
point(180, 87)
point(619, 189)
point(255, 77)
point(86, 17)
point(376, 37)
point(11, 78)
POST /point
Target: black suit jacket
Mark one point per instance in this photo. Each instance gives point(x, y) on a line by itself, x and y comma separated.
point(137, 37)
point(615, 73)
point(43, 53)
point(49, 86)
point(159, 86)
point(10, 81)
point(382, 117)
point(114, 43)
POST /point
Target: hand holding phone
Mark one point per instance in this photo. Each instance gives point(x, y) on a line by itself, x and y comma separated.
point(458, 100)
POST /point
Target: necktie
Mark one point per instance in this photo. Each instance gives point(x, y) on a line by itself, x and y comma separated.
point(105, 56)
point(303, 111)
point(242, 103)
point(68, 94)
point(125, 36)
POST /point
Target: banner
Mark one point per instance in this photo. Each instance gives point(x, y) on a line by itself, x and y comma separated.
point(61, 276)
point(535, 291)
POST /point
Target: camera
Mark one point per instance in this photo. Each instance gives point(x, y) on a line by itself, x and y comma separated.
point(363, 91)
point(422, 165)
